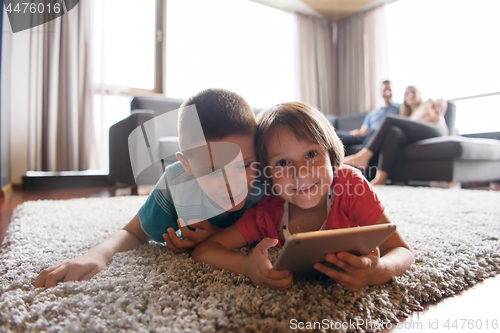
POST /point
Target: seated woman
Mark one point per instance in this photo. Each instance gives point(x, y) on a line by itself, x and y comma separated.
point(417, 121)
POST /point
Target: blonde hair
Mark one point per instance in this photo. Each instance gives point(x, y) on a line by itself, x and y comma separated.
point(405, 109)
point(306, 123)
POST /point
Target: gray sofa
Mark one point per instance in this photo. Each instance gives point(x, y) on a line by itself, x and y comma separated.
point(454, 158)
point(142, 110)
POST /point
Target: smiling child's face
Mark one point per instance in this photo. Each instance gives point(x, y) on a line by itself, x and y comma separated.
point(235, 154)
point(301, 170)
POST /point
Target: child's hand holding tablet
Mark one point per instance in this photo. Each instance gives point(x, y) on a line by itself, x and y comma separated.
point(302, 251)
point(347, 250)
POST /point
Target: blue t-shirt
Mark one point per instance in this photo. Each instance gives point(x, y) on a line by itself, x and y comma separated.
point(159, 212)
point(374, 118)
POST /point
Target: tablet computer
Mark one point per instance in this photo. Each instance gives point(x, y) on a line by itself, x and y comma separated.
point(301, 251)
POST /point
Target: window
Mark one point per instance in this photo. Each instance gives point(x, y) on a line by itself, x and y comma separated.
point(124, 43)
point(449, 49)
point(124, 37)
point(242, 46)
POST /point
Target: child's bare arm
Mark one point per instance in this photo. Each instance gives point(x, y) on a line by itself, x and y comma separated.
point(203, 230)
point(396, 256)
point(392, 258)
point(96, 259)
point(216, 252)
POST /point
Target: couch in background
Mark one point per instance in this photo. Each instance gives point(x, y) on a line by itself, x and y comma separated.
point(142, 110)
point(452, 158)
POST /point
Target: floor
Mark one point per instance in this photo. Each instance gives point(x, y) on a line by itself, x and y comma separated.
point(474, 310)
point(15, 198)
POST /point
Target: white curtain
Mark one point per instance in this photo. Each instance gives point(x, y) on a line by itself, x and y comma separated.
point(350, 65)
point(315, 62)
point(342, 65)
point(60, 105)
point(375, 50)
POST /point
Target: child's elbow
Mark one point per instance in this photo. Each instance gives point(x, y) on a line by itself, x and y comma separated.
point(197, 251)
point(410, 257)
point(412, 254)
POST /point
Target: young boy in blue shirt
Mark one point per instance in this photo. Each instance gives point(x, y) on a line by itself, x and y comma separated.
point(197, 183)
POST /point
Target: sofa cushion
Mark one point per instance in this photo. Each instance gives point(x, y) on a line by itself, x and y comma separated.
point(350, 121)
point(451, 148)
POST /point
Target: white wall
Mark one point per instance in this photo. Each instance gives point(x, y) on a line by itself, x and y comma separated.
point(17, 89)
point(5, 108)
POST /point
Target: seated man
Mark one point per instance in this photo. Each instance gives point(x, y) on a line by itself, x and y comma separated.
point(372, 120)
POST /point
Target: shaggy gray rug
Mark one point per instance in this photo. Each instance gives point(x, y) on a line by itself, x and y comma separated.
point(454, 234)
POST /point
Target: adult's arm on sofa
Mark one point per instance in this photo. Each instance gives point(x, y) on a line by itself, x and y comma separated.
point(358, 132)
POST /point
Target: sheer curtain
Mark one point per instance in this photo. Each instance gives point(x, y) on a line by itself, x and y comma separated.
point(341, 65)
point(376, 58)
point(60, 105)
point(350, 65)
point(315, 62)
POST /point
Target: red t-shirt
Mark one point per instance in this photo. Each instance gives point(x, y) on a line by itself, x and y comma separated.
point(355, 204)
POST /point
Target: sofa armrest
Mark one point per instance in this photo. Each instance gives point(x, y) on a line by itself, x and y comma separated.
point(158, 104)
point(142, 111)
point(120, 169)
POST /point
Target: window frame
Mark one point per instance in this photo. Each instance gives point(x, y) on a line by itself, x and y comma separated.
point(160, 64)
point(478, 95)
point(474, 96)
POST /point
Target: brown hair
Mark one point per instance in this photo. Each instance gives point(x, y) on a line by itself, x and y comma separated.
point(306, 122)
point(405, 109)
point(221, 113)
